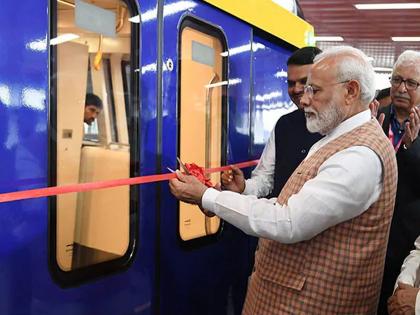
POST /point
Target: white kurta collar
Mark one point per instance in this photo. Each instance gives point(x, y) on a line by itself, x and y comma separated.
point(346, 126)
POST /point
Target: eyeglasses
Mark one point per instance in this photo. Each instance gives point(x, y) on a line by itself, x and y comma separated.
point(410, 84)
point(310, 91)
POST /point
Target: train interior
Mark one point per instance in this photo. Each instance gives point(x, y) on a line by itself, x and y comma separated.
point(92, 226)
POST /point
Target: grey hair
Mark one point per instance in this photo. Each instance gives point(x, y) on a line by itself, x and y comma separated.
point(409, 58)
point(355, 67)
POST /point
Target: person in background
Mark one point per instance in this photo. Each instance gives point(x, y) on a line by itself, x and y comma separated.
point(384, 97)
point(401, 123)
point(289, 142)
point(406, 298)
point(93, 107)
point(323, 240)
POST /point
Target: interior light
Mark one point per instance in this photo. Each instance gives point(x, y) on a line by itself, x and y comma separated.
point(387, 6)
point(406, 39)
point(63, 38)
point(329, 38)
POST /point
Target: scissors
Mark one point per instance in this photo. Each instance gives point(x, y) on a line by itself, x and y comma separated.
point(183, 166)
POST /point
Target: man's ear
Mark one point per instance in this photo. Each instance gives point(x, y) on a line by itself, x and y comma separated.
point(353, 91)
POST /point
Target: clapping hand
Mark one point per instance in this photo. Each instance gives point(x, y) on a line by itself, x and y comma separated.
point(412, 127)
point(403, 301)
point(374, 106)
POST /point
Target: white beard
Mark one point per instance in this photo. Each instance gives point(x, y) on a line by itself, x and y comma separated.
point(324, 121)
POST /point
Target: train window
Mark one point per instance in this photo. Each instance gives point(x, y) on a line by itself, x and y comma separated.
point(93, 232)
point(202, 112)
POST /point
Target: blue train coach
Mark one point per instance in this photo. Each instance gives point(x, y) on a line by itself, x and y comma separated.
point(201, 80)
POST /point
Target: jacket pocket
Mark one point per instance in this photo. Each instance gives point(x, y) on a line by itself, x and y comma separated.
point(289, 279)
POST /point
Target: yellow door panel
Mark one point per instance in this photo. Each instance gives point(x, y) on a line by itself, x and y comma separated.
point(200, 119)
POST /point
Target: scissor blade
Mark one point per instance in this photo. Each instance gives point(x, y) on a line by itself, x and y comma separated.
point(183, 166)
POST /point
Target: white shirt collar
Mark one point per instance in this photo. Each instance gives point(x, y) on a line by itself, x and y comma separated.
point(347, 125)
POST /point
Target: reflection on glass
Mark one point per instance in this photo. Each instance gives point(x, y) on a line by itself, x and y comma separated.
point(91, 132)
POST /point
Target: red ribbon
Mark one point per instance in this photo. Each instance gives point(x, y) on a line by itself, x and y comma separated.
point(59, 190)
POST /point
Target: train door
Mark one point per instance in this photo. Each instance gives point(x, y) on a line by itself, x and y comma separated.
point(94, 113)
point(202, 118)
point(74, 253)
point(202, 251)
point(91, 122)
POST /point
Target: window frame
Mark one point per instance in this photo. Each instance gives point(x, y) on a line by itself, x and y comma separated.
point(79, 276)
point(114, 136)
point(127, 88)
point(217, 32)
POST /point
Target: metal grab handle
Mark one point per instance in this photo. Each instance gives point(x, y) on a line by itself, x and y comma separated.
point(209, 91)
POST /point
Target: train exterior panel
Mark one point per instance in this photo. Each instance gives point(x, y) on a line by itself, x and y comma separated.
point(165, 271)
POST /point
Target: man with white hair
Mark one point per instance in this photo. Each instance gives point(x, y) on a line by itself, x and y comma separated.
point(401, 124)
point(323, 240)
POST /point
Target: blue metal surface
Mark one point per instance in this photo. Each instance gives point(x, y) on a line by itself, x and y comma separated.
point(148, 149)
point(270, 98)
point(23, 151)
point(164, 277)
point(26, 286)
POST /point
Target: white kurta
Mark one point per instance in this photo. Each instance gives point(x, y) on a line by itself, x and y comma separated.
point(346, 185)
point(410, 272)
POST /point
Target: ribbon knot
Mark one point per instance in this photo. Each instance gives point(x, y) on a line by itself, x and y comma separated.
point(199, 173)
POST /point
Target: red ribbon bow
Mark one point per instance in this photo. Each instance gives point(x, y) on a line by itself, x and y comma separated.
point(198, 172)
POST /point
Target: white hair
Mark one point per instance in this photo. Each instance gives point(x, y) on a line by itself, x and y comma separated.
point(355, 66)
point(409, 58)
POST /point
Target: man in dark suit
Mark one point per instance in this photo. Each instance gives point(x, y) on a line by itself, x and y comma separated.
point(289, 142)
point(401, 122)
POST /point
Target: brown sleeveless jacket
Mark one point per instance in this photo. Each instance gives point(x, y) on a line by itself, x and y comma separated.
point(339, 271)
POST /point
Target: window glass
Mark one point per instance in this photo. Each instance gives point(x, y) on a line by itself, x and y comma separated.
point(202, 116)
point(92, 137)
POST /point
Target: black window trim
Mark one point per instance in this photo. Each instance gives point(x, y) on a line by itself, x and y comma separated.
point(111, 101)
point(124, 64)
